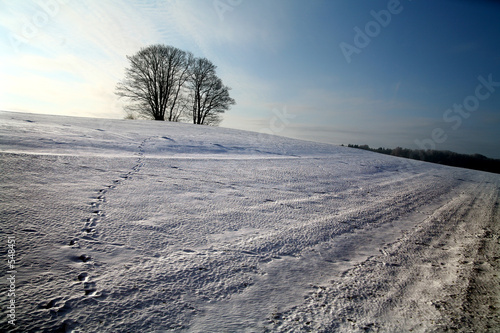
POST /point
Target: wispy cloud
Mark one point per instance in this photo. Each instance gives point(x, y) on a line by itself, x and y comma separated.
point(343, 105)
point(74, 59)
point(246, 24)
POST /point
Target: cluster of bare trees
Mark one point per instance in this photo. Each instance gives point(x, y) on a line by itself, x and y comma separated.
point(166, 83)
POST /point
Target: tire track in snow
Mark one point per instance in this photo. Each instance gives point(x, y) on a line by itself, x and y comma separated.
point(420, 282)
point(324, 245)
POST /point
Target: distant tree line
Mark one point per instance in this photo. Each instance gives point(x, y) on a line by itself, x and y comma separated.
point(166, 83)
point(475, 162)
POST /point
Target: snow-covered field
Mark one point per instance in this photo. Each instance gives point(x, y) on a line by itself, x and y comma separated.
point(142, 226)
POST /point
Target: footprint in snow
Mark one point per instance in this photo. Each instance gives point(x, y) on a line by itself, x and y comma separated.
point(91, 222)
point(89, 232)
point(84, 277)
point(89, 288)
point(85, 258)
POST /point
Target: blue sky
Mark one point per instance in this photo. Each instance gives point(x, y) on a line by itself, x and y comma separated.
point(284, 60)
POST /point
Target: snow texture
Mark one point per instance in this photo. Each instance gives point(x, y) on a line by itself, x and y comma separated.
point(142, 226)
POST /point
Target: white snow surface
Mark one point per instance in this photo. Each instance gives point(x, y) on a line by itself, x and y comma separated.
point(143, 226)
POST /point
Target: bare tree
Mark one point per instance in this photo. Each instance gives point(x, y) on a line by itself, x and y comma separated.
point(182, 106)
point(154, 80)
point(165, 83)
point(177, 105)
point(210, 97)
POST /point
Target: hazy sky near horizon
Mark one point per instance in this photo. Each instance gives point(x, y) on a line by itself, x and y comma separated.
point(416, 74)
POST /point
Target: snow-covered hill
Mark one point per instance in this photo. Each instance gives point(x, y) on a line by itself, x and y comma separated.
point(142, 226)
